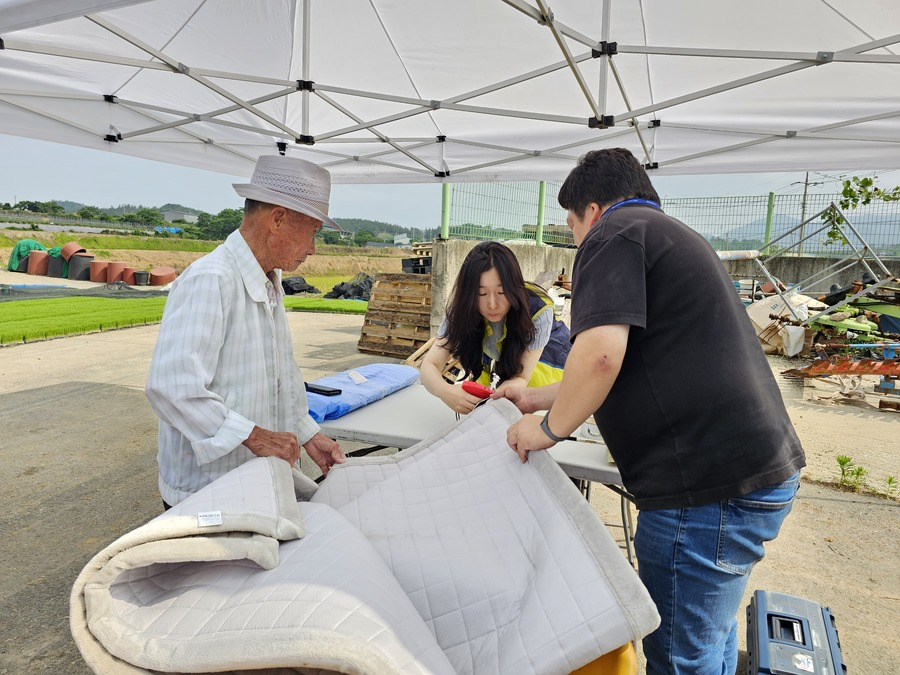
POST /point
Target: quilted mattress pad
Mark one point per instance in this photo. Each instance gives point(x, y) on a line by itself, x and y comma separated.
point(449, 557)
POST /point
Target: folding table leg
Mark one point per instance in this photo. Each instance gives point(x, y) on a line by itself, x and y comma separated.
point(628, 526)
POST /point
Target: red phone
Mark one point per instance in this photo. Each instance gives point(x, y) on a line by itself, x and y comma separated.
point(476, 389)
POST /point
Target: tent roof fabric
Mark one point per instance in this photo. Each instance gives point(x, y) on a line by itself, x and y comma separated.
point(459, 90)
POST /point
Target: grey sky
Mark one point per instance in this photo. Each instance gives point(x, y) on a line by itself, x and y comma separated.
point(41, 171)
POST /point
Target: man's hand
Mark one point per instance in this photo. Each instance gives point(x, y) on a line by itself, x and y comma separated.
point(325, 452)
point(526, 435)
point(265, 443)
point(522, 397)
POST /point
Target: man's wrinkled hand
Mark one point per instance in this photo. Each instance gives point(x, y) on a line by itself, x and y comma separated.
point(265, 443)
point(325, 452)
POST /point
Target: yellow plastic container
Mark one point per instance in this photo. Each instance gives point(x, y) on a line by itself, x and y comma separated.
point(621, 661)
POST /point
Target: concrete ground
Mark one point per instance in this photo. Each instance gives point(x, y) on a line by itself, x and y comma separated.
point(78, 470)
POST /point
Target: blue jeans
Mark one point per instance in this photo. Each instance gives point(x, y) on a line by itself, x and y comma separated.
point(695, 563)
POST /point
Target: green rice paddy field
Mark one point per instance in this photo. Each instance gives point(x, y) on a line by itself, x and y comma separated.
point(29, 320)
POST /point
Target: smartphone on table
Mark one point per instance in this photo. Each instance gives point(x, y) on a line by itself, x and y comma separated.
point(322, 389)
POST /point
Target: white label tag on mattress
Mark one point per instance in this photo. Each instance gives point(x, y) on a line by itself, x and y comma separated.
point(359, 378)
point(209, 518)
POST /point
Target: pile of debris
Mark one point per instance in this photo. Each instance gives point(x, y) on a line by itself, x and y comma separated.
point(879, 306)
point(294, 285)
point(853, 333)
point(358, 288)
point(851, 374)
point(791, 323)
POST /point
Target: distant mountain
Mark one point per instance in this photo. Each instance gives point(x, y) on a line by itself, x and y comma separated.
point(352, 225)
point(355, 225)
point(179, 208)
point(70, 207)
point(880, 230)
point(122, 209)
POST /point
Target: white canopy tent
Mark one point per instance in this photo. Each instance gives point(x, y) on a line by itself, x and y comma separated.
point(459, 90)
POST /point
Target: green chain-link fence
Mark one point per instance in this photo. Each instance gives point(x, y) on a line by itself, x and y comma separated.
point(508, 211)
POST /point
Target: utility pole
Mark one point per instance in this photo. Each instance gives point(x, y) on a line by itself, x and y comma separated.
point(803, 211)
point(803, 215)
point(803, 203)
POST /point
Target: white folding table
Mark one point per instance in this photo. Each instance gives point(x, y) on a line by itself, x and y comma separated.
point(411, 415)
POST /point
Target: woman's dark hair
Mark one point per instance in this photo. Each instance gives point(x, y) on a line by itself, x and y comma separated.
point(604, 177)
point(466, 326)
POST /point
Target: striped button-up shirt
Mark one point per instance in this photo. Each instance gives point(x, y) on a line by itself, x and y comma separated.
point(223, 363)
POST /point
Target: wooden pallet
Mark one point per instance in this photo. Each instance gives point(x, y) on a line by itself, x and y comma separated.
point(398, 321)
point(451, 371)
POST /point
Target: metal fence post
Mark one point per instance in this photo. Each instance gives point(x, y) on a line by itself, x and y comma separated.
point(770, 211)
point(542, 195)
point(445, 211)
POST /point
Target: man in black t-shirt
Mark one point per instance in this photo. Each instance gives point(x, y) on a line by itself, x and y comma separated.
point(666, 359)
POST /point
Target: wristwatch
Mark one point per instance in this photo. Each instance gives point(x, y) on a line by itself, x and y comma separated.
point(545, 427)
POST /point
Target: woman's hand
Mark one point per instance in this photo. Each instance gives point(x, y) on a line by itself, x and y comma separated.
point(458, 400)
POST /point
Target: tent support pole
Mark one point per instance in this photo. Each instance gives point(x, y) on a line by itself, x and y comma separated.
point(603, 77)
point(304, 95)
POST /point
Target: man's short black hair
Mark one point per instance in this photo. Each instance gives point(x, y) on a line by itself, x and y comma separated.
point(251, 206)
point(605, 177)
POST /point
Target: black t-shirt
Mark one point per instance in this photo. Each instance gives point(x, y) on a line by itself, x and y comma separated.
point(695, 415)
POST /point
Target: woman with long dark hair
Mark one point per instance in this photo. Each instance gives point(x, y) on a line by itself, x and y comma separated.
point(501, 329)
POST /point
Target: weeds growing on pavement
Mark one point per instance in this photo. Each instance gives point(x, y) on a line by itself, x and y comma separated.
point(858, 477)
point(846, 466)
point(853, 477)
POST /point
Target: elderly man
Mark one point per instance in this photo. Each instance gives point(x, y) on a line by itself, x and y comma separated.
point(223, 380)
point(696, 424)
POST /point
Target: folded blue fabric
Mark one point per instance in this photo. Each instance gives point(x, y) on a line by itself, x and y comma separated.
point(381, 379)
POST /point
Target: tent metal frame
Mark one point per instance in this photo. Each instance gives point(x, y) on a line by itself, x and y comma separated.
point(638, 121)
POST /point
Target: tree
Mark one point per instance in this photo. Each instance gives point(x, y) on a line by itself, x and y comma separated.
point(88, 213)
point(145, 217)
point(191, 231)
point(150, 217)
point(34, 207)
point(861, 191)
point(364, 236)
point(218, 227)
point(857, 192)
point(331, 237)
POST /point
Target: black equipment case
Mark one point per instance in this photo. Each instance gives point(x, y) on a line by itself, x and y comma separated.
point(788, 635)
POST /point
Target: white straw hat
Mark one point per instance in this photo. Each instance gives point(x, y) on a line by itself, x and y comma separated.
point(293, 183)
